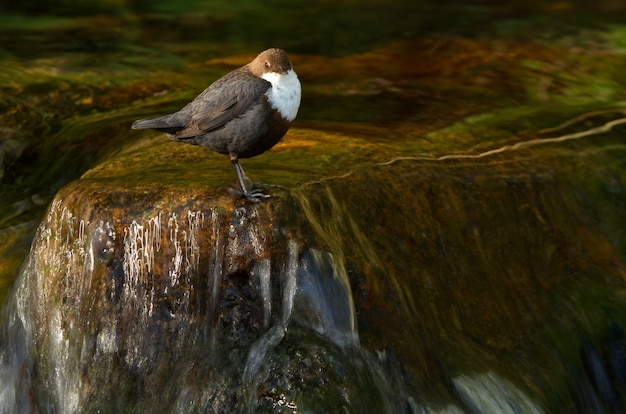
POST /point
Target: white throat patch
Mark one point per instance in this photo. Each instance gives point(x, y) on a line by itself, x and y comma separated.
point(284, 96)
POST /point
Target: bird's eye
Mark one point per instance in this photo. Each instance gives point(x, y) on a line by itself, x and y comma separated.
point(267, 65)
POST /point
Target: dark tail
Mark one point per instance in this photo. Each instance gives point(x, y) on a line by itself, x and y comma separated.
point(163, 124)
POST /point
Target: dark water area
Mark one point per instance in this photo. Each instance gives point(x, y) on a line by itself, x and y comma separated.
point(446, 231)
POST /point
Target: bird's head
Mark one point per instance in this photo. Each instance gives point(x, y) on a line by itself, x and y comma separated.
point(271, 61)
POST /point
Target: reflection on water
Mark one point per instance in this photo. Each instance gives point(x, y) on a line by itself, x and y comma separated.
point(486, 393)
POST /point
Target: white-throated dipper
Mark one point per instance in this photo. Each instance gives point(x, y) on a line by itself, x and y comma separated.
point(242, 114)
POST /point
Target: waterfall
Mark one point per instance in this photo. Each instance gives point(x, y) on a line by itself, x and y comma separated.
point(311, 301)
point(102, 308)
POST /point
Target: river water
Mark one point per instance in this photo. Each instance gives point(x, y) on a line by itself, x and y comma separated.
point(445, 232)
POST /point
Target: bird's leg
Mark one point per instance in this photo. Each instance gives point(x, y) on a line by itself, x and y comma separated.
point(240, 174)
point(252, 194)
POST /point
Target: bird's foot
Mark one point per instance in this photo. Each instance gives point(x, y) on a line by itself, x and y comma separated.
point(256, 195)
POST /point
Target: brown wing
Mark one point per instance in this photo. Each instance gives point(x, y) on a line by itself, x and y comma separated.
point(225, 99)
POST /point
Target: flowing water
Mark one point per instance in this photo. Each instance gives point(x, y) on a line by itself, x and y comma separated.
point(445, 232)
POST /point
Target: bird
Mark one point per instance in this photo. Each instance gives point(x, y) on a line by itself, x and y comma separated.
point(242, 114)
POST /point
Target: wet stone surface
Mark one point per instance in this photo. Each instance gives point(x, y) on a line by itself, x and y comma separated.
point(486, 255)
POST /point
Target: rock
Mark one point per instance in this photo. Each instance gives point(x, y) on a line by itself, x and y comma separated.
point(400, 286)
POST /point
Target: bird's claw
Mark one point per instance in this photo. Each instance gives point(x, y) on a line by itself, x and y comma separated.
point(257, 195)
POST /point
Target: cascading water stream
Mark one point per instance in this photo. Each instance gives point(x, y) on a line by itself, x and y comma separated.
point(101, 304)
